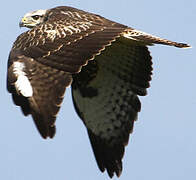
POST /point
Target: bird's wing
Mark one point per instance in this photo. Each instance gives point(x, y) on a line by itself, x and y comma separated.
point(105, 95)
point(140, 37)
point(38, 89)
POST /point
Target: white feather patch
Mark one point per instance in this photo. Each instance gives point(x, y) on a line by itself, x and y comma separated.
point(22, 84)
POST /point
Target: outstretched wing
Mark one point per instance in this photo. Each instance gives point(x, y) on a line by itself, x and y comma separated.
point(105, 95)
point(70, 37)
point(147, 39)
point(38, 89)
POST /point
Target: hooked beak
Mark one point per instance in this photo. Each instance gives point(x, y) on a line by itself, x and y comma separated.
point(25, 22)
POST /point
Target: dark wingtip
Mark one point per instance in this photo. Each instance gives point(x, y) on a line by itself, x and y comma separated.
point(52, 131)
point(43, 128)
point(47, 132)
point(108, 157)
point(117, 169)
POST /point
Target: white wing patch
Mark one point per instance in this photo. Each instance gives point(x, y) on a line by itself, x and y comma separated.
point(22, 84)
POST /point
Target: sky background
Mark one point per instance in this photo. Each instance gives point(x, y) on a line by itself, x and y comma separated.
point(163, 143)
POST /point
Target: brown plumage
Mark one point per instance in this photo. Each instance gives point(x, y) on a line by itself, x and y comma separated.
point(106, 63)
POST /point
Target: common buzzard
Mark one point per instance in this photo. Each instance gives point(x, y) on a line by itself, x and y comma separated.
point(107, 64)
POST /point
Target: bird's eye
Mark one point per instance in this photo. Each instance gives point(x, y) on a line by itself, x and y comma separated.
point(36, 17)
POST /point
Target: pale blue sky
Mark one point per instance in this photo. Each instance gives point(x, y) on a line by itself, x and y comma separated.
point(163, 143)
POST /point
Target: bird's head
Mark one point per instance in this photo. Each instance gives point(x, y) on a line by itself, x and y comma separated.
point(33, 19)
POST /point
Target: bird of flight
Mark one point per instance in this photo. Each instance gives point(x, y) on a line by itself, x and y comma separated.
point(107, 65)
